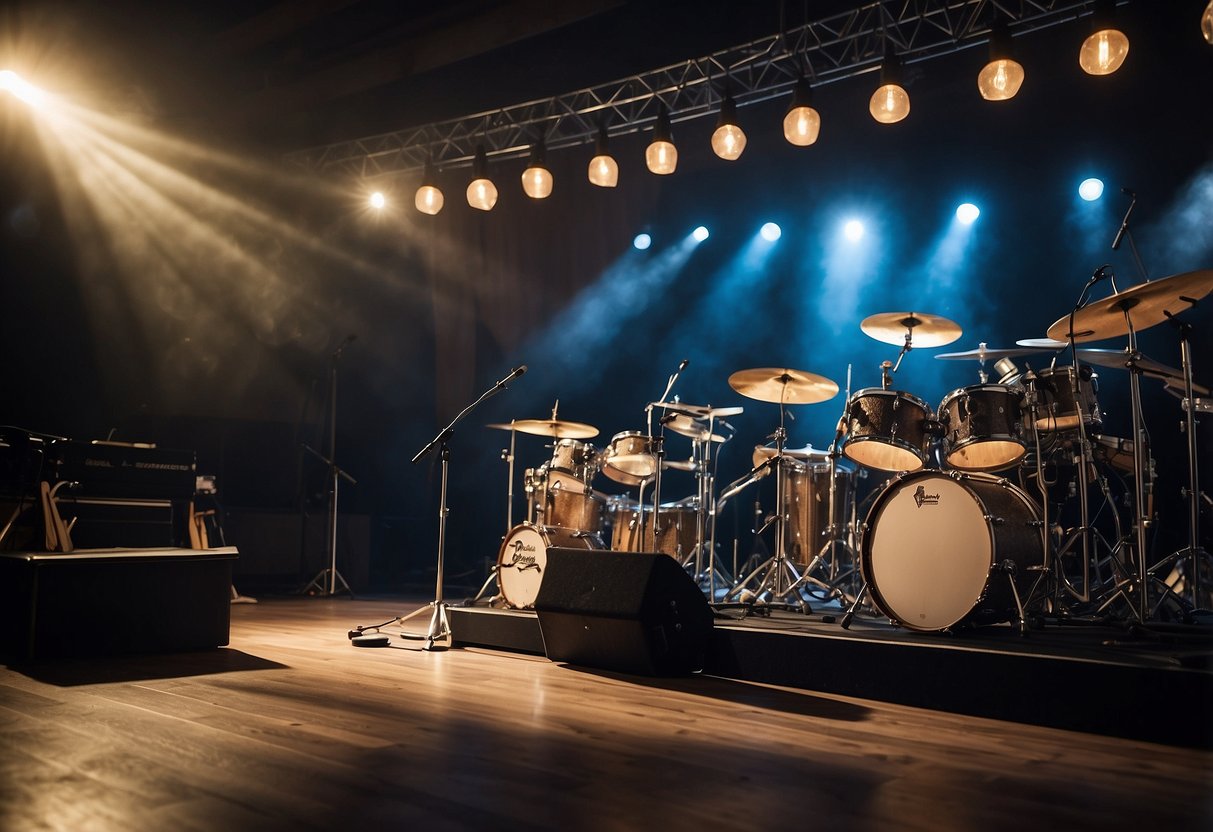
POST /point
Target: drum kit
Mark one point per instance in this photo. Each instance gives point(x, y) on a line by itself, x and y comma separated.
point(983, 515)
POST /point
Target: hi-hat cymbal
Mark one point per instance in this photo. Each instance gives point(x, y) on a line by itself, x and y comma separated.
point(694, 428)
point(984, 353)
point(783, 386)
point(924, 330)
point(1143, 305)
point(806, 454)
point(699, 409)
point(557, 428)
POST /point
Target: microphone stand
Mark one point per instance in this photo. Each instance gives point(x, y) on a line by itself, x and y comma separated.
point(438, 636)
point(326, 579)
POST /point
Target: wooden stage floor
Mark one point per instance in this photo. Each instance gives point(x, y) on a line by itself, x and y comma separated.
point(290, 727)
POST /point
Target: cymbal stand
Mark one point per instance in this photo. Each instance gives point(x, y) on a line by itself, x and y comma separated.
point(657, 444)
point(833, 527)
point(1188, 559)
point(705, 512)
point(773, 575)
point(438, 636)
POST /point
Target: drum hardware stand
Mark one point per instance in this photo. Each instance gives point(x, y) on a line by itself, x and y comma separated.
point(772, 574)
point(507, 456)
point(438, 636)
point(326, 579)
point(833, 540)
point(1193, 553)
point(657, 443)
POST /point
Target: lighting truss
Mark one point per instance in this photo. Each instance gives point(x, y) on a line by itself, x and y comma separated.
point(827, 50)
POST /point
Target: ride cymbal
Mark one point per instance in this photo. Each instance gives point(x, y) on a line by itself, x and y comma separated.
point(703, 411)
point(1144, 305)
point(783, 386)
point(984, 353)
point(922, 329)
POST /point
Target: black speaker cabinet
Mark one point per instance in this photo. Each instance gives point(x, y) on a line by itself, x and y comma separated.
point(626, 611)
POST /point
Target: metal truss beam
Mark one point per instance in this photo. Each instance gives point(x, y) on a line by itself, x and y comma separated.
point(827, 50)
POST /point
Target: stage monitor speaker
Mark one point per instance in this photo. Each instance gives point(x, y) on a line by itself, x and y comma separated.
point(626, 611)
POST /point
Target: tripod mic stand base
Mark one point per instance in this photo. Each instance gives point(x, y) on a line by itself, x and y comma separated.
point(319, 585)
point(439, 636)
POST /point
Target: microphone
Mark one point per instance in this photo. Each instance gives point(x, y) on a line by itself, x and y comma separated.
point(1124, 224)
point(345, 342)
point(683, 364)
point(514, 373)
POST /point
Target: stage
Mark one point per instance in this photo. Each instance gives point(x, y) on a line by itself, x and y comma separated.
point(292, 727)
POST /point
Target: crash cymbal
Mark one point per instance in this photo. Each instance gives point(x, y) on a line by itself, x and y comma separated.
point(700, 410)
point(1124, 360)
point(924, 330)
point(783, 386)
point(1144, 305)
point(557, 428)
point(984, 353)
point(696, 429)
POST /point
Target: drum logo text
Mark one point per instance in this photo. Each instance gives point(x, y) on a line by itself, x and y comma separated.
point(921, 497)
point(521, 559)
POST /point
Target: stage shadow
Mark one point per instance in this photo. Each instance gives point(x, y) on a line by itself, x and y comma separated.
point(142, 667)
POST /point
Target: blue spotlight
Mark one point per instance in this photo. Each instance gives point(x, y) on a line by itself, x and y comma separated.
point(770, 232)
point(642, 241)
point(853, 230)
point(700, 234)
point(1091, 189)
point(968, 213)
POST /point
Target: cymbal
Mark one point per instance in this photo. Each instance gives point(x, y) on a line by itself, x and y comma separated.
point(1145, 305)
point(783, 386)
point(924, 330)
point(694, 428)
point(678, 465)
point(557, 428)
point(700, 410)
point(984, 353)
point(1043, 343)
point(1124, 360)
point(806, 454)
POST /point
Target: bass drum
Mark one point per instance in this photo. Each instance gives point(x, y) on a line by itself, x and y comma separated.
point(932, 542)
point(524, 558)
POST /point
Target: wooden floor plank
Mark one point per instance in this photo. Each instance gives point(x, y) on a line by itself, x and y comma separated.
point(294, 728)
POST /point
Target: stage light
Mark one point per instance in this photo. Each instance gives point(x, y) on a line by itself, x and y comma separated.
point(429, 198)
point(967, 213)
point(537, 179)
point(1206, 22)
point(1001, 78)
point(770, 232)
point(604, 170)
point(853, 230)
point(18, 87)
point(700, 234)
point(1106, 48)
point(802, 124)
point(1090, 189)
point(728, 140)
point(642, 241)
point(890, 103)
point(661, 156)
point(378, 201)
point(482, 193)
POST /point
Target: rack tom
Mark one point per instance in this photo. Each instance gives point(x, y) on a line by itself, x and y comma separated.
point(982, 427)
point(887, 430)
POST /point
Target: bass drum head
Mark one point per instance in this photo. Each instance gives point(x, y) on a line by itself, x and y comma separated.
point(928, 552)
point(523, 559)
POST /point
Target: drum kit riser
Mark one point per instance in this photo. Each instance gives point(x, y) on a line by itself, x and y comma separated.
point(949, 540)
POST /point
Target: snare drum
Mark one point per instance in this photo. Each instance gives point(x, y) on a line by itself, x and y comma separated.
point(629, 459)
point(523, 559)
point(573, 465)
point(1056, 407)
point(982, 428)
point(886, 429)
point(932, 544)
